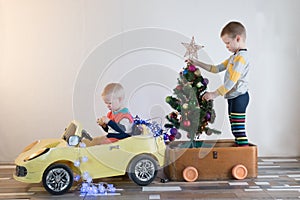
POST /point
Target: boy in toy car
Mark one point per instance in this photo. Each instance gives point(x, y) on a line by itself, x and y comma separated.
point(118, 121)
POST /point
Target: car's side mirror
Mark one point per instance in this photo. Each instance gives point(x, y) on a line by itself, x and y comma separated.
point(73, 140)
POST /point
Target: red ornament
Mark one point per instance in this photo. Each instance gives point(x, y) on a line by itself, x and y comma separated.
point(179, 87)
point(186, 123)
point(173, 115)
point(171, 138)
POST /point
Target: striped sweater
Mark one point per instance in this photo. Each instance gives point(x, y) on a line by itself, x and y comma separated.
point(236, 75)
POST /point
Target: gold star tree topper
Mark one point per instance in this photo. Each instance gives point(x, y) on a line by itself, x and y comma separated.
point(191, 49)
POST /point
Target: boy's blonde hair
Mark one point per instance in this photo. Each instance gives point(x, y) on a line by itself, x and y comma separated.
point(232, 29)
point(114, 89)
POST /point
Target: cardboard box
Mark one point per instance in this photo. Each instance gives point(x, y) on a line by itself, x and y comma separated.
point(213, 160)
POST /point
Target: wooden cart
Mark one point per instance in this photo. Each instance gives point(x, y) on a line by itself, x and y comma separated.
point(214, 160)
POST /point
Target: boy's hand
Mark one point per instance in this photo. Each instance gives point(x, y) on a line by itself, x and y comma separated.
point(105, 119)
point(100, 122)
point(210, 95)
point(191, 61)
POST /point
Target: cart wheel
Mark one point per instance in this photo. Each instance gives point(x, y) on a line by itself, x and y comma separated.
point(190, 174)
point(239, 172)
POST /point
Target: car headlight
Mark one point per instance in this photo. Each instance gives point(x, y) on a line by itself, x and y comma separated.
point(73, 140)
point(36, 154)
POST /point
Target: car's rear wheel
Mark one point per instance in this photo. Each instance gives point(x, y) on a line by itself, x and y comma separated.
point(142, 170)
point(58, 179)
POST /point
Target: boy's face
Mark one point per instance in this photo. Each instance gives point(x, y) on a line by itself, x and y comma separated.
point(232, 44)
point(112, 102)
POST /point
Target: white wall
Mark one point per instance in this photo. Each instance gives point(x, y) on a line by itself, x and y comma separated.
point(56, 56)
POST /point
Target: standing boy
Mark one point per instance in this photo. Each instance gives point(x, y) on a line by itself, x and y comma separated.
point(235, 87)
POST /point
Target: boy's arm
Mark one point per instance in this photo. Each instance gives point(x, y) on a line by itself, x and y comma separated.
point(121, 127)
point(101, 123)
point(211, 95)
point(211, 68)
point(203, 65)
point(223, 89)
point(105, 128)
point(118, 135)
point(116, 126)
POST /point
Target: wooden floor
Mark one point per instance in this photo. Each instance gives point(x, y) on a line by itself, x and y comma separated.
point(278, 178)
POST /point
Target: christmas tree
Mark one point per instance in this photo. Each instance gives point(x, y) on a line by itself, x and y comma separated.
point(192, 114)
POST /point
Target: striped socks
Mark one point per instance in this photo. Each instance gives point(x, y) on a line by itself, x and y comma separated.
point(237, 121)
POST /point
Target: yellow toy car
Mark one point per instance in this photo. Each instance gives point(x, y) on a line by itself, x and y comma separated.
point(56, 162)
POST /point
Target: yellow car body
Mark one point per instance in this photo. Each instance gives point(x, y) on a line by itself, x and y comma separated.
point(104, 160)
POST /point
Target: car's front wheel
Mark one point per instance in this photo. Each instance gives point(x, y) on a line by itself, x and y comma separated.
point(142, 170)
point(58, 179)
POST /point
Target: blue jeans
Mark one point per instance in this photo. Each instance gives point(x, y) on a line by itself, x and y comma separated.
point(238, 104)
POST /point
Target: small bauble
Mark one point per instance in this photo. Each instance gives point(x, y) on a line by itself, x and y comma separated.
point(199, 85)
point(207, 116)
point(172, 138)
point(192, 68)
point(186, 123)
point(166, 137)
point(205, 81)
point(168, 99)
point(173, 131)
point(185, 106)
point(178, 135)
point(173, 115)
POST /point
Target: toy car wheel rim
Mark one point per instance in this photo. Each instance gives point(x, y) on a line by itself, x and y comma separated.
point(144, 170)
point(58, 179)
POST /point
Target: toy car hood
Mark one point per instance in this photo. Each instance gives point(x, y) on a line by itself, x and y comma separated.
point(40, 146)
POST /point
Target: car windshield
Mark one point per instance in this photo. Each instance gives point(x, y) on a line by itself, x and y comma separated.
point(71, 130)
